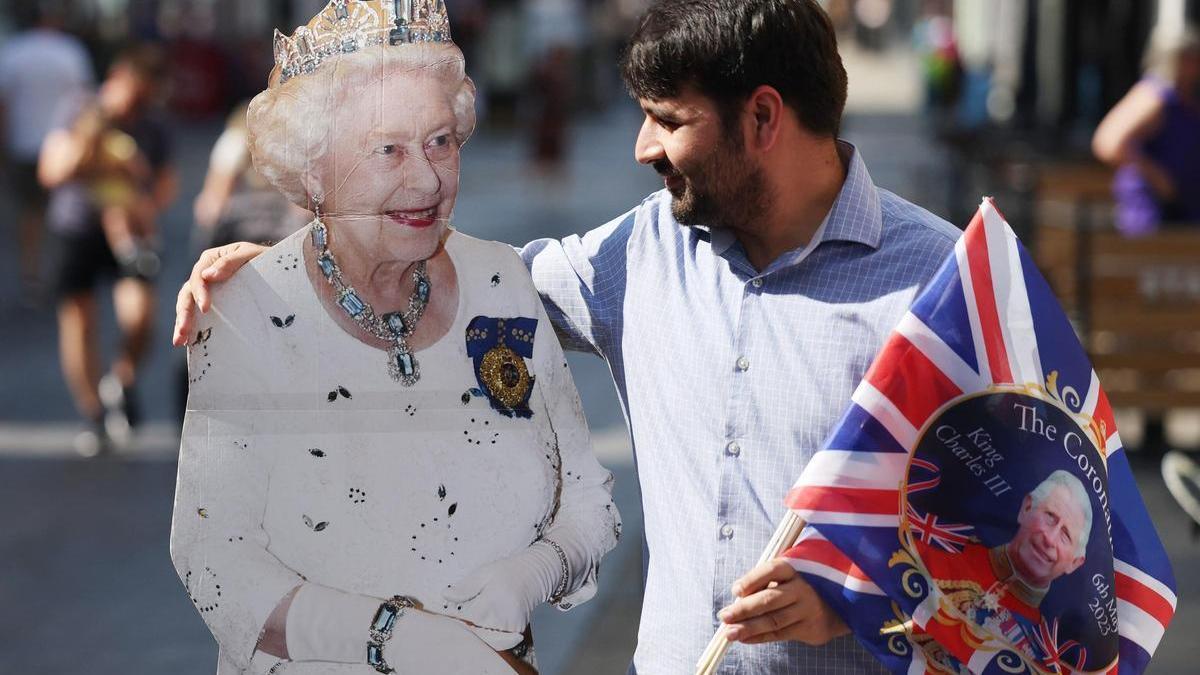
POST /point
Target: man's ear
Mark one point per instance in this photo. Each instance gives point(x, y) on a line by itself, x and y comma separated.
point(1076, 564)
point(766, 109)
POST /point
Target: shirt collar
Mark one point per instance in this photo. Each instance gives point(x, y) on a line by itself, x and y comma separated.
point(855, 217)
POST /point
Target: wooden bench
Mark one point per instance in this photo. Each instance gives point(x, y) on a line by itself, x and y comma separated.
point(1135, 302)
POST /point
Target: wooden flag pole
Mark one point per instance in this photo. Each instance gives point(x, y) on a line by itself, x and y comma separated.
point(784, 538)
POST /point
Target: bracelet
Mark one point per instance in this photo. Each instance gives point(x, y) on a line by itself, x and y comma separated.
point(561, 589)
point(381, 630)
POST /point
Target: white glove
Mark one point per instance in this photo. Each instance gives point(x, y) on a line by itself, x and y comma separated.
point(324, 624)
point(499, 597)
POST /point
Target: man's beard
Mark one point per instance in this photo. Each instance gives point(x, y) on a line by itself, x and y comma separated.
point(725, 191)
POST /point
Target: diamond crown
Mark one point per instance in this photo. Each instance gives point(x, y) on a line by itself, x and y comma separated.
point(347, 26)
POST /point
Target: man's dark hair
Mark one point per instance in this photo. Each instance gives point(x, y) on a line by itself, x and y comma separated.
point(146, 60)
point(725, 49)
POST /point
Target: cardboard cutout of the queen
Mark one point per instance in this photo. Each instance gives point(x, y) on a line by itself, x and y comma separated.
point(384, 465)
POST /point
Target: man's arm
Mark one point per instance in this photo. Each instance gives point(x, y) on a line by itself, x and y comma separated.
point(581, 280)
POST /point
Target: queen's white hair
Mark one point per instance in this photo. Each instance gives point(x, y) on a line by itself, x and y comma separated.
point(289, 125)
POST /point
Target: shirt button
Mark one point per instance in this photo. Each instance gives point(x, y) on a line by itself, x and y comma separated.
point(757, 283)
point(734, 449)
point(743, 364)
point(727, 531)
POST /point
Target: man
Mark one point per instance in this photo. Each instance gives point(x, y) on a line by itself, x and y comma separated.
point(1002, 588)
point(737, 309)
point(38, 68)
point(107, 164)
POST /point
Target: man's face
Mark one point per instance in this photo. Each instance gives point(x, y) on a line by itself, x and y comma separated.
point(1046, 544)
point(704, 165)
point(124, 91)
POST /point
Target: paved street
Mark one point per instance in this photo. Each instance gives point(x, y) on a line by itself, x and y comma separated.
point(86, 585)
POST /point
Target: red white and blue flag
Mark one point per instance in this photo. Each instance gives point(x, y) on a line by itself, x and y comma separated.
point(973, 510)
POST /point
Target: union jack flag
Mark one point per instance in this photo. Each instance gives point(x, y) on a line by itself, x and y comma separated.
point(986, 322)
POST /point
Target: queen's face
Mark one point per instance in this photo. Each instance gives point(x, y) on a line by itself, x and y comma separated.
point(390, 176)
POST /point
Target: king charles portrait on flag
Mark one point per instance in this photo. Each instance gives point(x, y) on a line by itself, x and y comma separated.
point(1002, 587)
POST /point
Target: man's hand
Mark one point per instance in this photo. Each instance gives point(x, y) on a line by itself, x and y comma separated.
point(774, 604)
point(215, 265)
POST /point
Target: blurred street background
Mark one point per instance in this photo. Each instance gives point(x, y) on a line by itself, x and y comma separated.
point(949, 101)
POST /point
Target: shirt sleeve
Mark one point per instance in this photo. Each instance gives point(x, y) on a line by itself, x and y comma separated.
point(84, 75)
point(67, 112)
point(581, 280)
point(586, 522)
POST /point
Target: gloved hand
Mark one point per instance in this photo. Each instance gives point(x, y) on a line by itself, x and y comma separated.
point(499, 597)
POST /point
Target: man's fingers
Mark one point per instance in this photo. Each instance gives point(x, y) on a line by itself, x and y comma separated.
point(195, 284)
point(185, 313)
point(777, 570)
point(782, 621)
point(229, 260)
point(215, 265)
point(757, 604)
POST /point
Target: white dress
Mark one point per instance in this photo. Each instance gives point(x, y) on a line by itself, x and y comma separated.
point(303, 461)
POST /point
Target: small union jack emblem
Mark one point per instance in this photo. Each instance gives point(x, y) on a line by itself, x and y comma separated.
point(1056, 653)
point(930, 529)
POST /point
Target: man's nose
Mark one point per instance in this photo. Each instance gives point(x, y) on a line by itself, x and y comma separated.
point(648, 148)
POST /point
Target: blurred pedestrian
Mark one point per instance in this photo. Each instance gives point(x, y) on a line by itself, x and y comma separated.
point(1152, 136)
point(558, 32)
point(504, 66)
point(38, 68)
point(107, 162)
point(937, 45)
point(552, 89)
point(238, 204)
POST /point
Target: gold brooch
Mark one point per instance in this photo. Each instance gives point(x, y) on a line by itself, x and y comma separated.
point(504, 374)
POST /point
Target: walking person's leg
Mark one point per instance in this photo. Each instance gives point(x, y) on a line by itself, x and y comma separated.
point(79, 354)
point(134, 302)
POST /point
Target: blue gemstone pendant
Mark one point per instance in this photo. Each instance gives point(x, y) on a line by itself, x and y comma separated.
point(403, 366)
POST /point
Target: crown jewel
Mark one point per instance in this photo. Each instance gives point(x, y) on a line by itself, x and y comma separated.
point(347, 26)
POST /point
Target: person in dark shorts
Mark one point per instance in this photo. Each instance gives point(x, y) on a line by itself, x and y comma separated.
point(107, 164)
point(39, 67)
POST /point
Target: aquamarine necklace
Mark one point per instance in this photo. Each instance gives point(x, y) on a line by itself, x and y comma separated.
point(395, 327)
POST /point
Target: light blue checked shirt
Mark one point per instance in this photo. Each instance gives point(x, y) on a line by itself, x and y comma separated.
point(730, 380)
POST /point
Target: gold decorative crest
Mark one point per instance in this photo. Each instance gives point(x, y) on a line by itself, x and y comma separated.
point(505, 375)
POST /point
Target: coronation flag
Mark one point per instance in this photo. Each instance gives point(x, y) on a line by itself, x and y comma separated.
point(974, 510)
